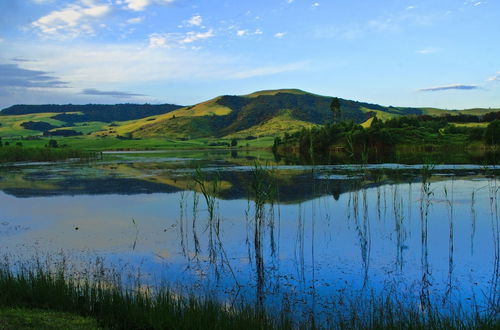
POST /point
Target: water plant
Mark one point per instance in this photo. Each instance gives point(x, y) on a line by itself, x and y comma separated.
point(209, 189)
point(425, 201)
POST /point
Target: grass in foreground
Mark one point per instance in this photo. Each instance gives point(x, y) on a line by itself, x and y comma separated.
point(116, 307)
point(20, 319)
point(31, 295)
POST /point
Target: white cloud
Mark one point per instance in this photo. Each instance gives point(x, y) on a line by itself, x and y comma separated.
point(316, 4)
point(241, 33)
point(495, 77)
point(71, 21)
point(140, 5)
point(109, 66)
point(428, 50)
point(195, 20)
point(379, 25)
point(279, 34)
point(135, 20)
point(137, 5)
point(122, 67)
point(268, 70)
point(289, 1)
point(194, 36)
point(475, 3)
point(162, 40)
point(157, 40)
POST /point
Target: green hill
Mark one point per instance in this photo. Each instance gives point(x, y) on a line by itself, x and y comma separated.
point(260, 114)
point(266, 113)
point(28, 120)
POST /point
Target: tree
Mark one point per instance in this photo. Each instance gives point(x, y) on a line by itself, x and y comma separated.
point(53, 144)
point(234, 143)
point(492, 133)
point(335, 107)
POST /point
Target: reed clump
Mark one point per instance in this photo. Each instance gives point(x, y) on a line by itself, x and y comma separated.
point(103, 296)
point(209, 189)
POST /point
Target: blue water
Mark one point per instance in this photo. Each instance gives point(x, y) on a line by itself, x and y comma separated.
point(333, 233)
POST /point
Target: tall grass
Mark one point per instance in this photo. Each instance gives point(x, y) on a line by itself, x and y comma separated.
point(425, 202)
point(101, 295)
point(263, 187)
point(209, 190)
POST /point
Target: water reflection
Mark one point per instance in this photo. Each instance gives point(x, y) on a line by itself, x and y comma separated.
point(292, 237)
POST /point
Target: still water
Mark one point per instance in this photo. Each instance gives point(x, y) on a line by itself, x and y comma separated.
point(304, 238)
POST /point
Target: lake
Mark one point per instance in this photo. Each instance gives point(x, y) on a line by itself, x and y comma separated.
point(306, 238)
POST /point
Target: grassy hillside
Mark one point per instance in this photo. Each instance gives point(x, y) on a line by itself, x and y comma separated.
point(92, 112)
point(261, 114)
point(32, 120)
point(11, 125)
point(279, 124)
point(268, 113)
point(264, 113)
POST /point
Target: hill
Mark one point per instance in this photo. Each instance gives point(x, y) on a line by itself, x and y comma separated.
point(267, 113)
point(260, 114)
point(92, 112)
point(34, 119)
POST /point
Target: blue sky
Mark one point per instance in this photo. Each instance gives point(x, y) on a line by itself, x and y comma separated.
point(393, 52)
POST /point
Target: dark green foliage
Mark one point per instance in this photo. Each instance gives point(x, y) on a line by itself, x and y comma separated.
point(38, 126)
point(492, 133)
point(53, 143)
point(18, 153)
point(335, 107)
point(491, 116)
point(382, 137)
point(93, 112)
point(234, 143)
point(62, 132)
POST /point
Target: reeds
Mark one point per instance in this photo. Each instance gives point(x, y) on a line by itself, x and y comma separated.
point(209, 190)
point(104, 297)
point(100, 294)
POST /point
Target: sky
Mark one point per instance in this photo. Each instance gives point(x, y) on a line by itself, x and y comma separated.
point(420, 53)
